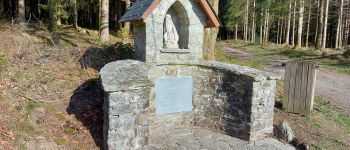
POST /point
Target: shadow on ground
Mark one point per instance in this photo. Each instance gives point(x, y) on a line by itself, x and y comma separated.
point(96, 58)
point(87, 101)
point(87, 105)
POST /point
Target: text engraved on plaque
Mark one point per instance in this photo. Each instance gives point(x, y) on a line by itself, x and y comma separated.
point(174, 95)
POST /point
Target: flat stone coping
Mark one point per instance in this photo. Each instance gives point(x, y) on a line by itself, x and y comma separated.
point(174, 50)
point(257, 75)
point(133, 74)
point(198, 139)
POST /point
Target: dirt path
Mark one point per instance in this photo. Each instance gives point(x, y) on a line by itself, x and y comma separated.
point(334, 87)
point(237, 53)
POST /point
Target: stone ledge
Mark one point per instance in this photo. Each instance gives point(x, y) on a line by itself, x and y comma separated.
point(125, 75)
point(173, 50)
point(256, 75)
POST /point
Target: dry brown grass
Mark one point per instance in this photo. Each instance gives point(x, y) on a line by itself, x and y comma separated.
point(48, 91)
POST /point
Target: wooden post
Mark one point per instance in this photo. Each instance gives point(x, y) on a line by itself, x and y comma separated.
point(299, 87)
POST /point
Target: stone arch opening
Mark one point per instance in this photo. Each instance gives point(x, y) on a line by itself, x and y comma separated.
point(181, 22)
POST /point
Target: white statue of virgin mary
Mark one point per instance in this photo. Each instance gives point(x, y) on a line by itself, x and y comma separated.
point(171, 36)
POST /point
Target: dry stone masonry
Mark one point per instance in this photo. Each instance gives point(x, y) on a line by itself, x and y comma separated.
point(167, 89)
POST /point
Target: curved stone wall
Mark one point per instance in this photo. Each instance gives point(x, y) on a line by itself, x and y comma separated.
point(230, 99)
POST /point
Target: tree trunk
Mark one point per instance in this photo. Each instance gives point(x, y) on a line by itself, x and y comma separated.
point(347, 25)
point(127, 24)
point(294, 18)
point(246, 20)
point(39, 9)
point(339, 29)
point(301, 21)
point(210, 35)
point(21, 11)
point(58, 16)
point(266, 29)
point(278, 30)
point(119, 13)
point(236, 32)
point(75, 14)
point(104, 26)
point(52, 15)
point(320, 26)
point(288, 23)
point(308, 26)
point(1, 7)
point(12, 8)
point(261, 28)
point(253, 23)
point(347, 32)
point(267, 25)
point(281, 30)
point(325, 25)
point(317, 24)
point(58, 21)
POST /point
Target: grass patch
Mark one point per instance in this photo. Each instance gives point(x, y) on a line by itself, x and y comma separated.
point(60, 117)
point(333, 113)
point(68, 130)
point(264, 53)
point(30, 106)
point(61, 141)
point(23, 127)
point(17, 77)
point(220, 55)
point(47, 79)
point(297, 54)
point(51, 108)
point(336, 65)
point(3, 59)
point(22, 146)
point(318, 147)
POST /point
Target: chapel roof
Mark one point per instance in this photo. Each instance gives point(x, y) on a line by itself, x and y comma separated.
point(143, 8)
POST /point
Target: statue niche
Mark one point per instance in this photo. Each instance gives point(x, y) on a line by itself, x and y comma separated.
point(171, 36)
point(176, 27)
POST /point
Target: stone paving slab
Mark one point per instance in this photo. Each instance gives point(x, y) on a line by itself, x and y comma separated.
point(201, 139)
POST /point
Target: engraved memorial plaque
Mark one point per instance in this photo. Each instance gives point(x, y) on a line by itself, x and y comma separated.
point(174, 95)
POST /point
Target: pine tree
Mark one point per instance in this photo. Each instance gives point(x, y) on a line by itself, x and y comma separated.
point(325, 25)
point(21, 11)
point(300, 26)
point(210, 35)
point(320, 26)
point(52, 15)
point(104, 26)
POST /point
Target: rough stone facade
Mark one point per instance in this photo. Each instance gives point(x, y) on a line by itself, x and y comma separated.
point(226, 98)
point(189, 20)
point(230, 99)
point(126, 104)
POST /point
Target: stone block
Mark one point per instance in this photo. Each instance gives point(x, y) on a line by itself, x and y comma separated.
point(142, 118)
point(124, 75)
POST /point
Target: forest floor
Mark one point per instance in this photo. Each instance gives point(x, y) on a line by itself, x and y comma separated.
point(50, 94)
point(329, 125)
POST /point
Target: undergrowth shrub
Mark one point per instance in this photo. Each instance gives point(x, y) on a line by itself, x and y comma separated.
point(347, 54)
point(3, 61)
point(123, 33)
point(30, 106)
point(124, 51)
point(98, 57)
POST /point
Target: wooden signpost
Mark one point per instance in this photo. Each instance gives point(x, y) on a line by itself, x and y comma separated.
point(299, 87)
